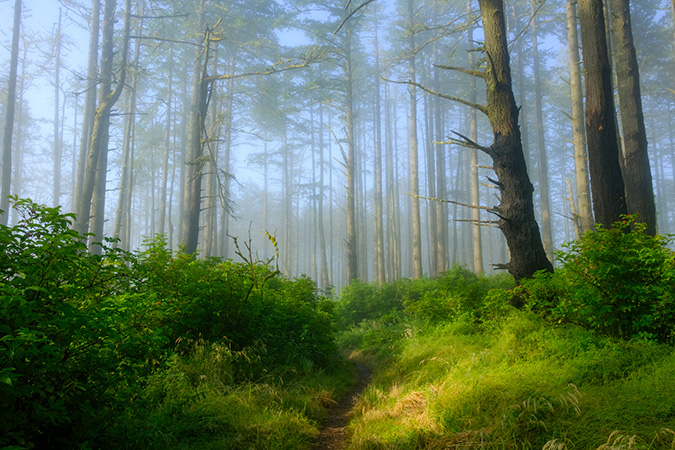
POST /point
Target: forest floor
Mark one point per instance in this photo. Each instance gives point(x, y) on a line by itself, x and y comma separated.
point(333, 434)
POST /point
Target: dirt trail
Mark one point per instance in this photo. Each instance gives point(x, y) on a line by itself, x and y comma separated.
point(334, 432)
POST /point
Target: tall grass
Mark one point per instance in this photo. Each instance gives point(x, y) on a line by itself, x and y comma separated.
point(197, 404)
point(524, 384)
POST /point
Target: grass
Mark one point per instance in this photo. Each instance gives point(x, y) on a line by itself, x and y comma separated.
point(523, 384)
point(197, 404)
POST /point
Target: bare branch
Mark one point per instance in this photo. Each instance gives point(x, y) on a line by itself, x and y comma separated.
point(475, 73)
point(477, 106)
point(351, 13)
point(529, 21)
point(484, 208)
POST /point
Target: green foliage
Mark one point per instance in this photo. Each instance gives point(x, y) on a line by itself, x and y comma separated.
point(525, 385)
point(59, 331)
point(91, 340)
point(458, 293)
point(618, 282)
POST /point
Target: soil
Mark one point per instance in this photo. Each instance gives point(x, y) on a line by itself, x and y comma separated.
point(333, 434)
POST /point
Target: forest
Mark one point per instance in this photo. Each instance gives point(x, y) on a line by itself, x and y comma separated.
point(211, 211)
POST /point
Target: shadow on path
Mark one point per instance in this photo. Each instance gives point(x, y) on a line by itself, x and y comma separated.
point(333, 434)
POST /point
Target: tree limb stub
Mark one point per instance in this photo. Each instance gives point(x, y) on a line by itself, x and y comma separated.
point(477, 106)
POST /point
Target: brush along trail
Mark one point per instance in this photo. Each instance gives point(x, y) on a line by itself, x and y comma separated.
point(333, 434)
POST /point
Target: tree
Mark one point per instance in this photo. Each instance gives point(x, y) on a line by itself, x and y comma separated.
point(516, 209)
point(585, 213)
point(98, 147)
point(414, 169)
point(9, 116)
point(636, 169)
point(607, 186)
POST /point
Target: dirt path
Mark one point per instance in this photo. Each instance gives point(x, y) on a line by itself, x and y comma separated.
point(334, 432)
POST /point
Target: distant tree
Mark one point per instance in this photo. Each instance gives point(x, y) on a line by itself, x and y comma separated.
point(414, 163)
point(9, 116)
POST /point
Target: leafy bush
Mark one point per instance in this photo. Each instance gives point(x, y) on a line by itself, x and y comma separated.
point(82, 336)
point(618, 282)
point(59, 332)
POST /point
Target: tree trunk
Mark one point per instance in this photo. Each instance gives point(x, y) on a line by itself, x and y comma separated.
point(607, 186)
point(89, 109)
point(585, 216)
point(351, 242)
point(414, 169)
point(194, 159)
point(98, 147)
point(167, 146)
point(547, 232)
point(378, 207)
point(58, 138)
point(473, 134)
point(9, 116)
point(516, 210)
point(636, 169)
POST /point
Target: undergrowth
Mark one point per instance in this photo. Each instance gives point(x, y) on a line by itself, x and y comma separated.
point(587, 364)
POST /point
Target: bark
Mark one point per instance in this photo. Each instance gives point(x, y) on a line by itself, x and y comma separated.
point(414, 169)
point(192, 194)
point(636, 169)
point(585, 212)
point(607, 186)
point(9, 116)
point(516, 210)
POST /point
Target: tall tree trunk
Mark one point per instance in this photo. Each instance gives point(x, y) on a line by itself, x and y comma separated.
point(546, 229)
point(441, 189)
point(350, 163)
point(378, 207)
point(414, 169)
point(89, 109)
point(393, 236)
point(516, 210)
point(607, 186)
point(585, 222)
point(212, 144)
point(167, 145)
point(58, 139)
point(122, 218)
point(194, 159)
point(325, 278)
point(225, 189)
point(636, 169)
point(98, 147)
point(9, 116)
point(475, 185)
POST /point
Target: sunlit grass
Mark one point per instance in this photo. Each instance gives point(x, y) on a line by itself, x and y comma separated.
point(524, 384)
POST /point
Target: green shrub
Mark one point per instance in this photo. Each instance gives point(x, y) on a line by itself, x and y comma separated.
point(60, 352)
point(618, 282)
